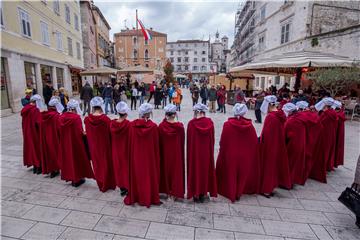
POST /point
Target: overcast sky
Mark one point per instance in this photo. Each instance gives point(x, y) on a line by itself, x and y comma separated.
point(178, 19)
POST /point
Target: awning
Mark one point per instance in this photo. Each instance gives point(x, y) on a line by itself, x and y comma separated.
point(180, 76)
point(136, 69)
point(99, 71)
point(287, 63)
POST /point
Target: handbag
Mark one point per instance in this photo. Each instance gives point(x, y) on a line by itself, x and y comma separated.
point(351, 199)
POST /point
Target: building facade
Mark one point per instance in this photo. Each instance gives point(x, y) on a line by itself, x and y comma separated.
point(219, 53)
point(190, 56)
point(131, 49)
point(88, 29)
point(264, 29)
point(103, 43)
point(40, 41)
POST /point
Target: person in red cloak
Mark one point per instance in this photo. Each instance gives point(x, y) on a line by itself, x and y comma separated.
point(172, 156)
point(73, 158)
point(97, 126)
point(144, 164)
point(325, 154)
point(295, 137)
point(237, 165)
point(274, 161)
point(201, 176)
point(31, 128)
point(340, 134)
point(119, 129)
point(313, 127)
point(50, 137)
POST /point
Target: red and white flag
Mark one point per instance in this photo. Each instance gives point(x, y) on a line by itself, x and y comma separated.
point(146, 33)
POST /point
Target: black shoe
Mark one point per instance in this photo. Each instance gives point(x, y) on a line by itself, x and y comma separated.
point(123, 192)
point(54, 174)
point(34, 170)
point(38, 171)
point(196, 199)
point(77, 184)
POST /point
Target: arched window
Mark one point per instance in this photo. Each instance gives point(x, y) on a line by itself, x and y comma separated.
point(135, 40)
point(146, 54)
point(135, 54)
point(147, 65)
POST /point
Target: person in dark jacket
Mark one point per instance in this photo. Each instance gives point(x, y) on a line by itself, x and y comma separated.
point(204, 94)
point(158, 96)
point(107, 95)
point(195, 94)
point(116, 95)
point(259, 100)
point(86, 95)
point(212, 99)
point(48, 91)
point(26, 100)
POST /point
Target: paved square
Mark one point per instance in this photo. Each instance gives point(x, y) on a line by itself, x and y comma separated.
point(37, 207)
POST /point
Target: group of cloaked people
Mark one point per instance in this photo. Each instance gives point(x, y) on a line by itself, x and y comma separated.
point(144, 159)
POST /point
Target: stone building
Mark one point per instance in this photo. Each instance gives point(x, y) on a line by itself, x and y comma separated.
point(131, 49)
point(190, 56)
point(40, 41)
point(103, 43)
point(88, 29)
point(264, 29)
point(220, 52)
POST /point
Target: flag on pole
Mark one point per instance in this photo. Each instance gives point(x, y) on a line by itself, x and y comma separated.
point(146, 33)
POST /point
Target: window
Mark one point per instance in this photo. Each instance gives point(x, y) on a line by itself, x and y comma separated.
point(57, 6)
point(92, 58)
point(59, 45)
point(135, 41)
point(262, 13)
point(195, 59)
point(179, 68)
point(203, 59)
point(261, 42)
point(186, 52)
point(25, 23)
point(186, 68)
point(60, 77)
point(146, 42)
point(179, 59)
point(44, 33)
point(146, 54)
point(257, 81)
point(147, 65)
point(179, 52)
point(135, 53)
point(203, 68)
point(78, 53)
point(1, 17)
point(67, 13)
point(285, 33)
point(171, 53)
point(203, 52)
point(172, 59)
point(277, 80)
point(70, 47)
point(186, 59)
point(195, 52)
point(76, 21)
point(195, 68)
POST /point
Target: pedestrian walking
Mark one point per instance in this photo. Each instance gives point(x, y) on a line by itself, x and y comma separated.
point(116, 95)
point(48, 91)
point(171, 91)
point(177, 97)
point(165, 92)
point(221, 94)
point(195, 94)
point(212, 99)
point(107, 95)
point(158, 96)
point(204, 94)
point(86, 95)
point(152, 90)
point(258, 101)
point(141, 93)
point(134, 94)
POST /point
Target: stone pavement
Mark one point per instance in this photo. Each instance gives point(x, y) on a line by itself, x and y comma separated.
point(37, 207)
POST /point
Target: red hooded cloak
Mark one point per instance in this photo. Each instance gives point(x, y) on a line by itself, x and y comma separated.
point(120, 151)
point(74, 162)
point(295, 137)
point(144, 169)
point(99, 140)
point(172, 158)
point(325, 152)
point(50, 141)
point(274, 161)
point(340, 139)
point(313, 128)
point(201, 177)
point(31, 127)
point(237, 165)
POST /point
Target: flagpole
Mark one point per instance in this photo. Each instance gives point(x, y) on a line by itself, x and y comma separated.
point(136, 20)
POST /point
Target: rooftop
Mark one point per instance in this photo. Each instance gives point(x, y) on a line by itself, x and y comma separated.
point(134, 32)
point(189, 41)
